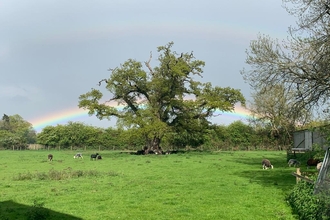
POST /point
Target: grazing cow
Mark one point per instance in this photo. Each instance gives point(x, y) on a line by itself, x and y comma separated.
point(312, 162)
point(78, 155)
point(139, 152)
point(99, 157)
point(266, 164)
point(50, 157)
point(293, 162)
point(319, 165)
point(94, 156)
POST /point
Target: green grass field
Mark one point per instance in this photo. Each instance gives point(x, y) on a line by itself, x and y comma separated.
point(222, 185)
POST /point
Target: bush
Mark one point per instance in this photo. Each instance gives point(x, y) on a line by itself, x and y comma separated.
point(324, 196)
point(306, 204)
point(24, 176)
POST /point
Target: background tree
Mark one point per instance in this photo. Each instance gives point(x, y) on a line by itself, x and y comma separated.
point(302, 63)
point(161, 100)
point(219, 135)
point(240, 135)
point(16, 132)
point(49, 136)
point(78, 135)
point(5, 123)
point(274, 110)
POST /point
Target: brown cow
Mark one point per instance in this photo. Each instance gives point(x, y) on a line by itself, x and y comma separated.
point(50, 157)
point(312, 162)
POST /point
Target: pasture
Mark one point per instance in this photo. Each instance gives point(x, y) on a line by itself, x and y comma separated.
point(194, 185)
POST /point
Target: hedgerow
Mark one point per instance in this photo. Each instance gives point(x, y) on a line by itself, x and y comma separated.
point(306, 205)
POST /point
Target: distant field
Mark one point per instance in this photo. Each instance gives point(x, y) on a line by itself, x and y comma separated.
point(222, 185)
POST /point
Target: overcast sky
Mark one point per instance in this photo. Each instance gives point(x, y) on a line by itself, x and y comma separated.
point(53, 51)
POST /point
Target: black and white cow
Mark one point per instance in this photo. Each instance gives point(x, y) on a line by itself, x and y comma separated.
point(94, 156)
point(50, 157)
point(293, 162)
point(266, 164)
point(78, 155)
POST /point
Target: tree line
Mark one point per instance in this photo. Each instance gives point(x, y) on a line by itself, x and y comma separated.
point(16, 133)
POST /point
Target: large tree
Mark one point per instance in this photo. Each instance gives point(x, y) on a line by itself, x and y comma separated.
point(302, 62)
point(16, 132)
point(161, 100)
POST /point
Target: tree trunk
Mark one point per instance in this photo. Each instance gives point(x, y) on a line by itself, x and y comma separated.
point(153, 146)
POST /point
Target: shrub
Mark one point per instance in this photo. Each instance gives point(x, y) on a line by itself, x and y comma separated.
point(306, 204)
point(56, 175)
point(77, 173)
point(324, 197)
point(60, 174)
point(41, 176)
point(24, 176)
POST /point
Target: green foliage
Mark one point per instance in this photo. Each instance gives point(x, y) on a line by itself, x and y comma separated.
point(161, 100)
point(324, 198)
point(186, 139)
point(240, 134)
point(236, 136)
point(78, 135)
point(318, 151)
point(307, 205)
point(15, 132)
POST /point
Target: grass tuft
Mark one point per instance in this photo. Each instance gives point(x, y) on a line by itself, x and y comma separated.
point(60, 174)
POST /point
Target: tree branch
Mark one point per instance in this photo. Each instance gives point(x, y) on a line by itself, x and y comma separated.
point(147, 63)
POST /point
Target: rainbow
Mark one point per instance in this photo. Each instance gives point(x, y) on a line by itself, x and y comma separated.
point(239, 113)
point(77, 114)
point(212, 30)
point(58, 118)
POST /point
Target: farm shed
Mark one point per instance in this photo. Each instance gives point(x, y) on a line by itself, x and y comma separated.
point(303, 140)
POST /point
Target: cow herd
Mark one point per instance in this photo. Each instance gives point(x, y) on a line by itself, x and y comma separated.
point(293, 162)
point(80, 156)
point(266, 164)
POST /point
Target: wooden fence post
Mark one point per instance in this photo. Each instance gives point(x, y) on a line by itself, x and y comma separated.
point(299, 173)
